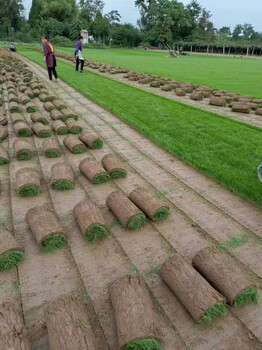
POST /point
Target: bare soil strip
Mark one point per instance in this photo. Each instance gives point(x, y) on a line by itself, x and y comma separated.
point(197, 220)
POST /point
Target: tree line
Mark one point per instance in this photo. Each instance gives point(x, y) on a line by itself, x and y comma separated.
point(161, 21)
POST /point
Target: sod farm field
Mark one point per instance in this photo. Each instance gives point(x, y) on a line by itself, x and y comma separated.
point(224, 149)
point(240, 75)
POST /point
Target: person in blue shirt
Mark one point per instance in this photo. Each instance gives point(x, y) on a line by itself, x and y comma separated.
point(78, 55)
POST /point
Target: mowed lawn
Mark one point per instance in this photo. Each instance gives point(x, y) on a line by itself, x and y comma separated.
point(240, 75)
point(224, 149)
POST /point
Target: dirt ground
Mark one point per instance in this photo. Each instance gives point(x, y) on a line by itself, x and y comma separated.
point(202, 214)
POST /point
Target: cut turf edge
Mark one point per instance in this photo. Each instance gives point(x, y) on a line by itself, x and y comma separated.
point(79, 149)
point(118, 173)
point(53, 242)
point(29, 190)
point(101, 178)
point(96, 233)
point(136, 222)
point(53, 153)
point(3, 161)
point(248, 296)
point(144, 344)
point(24, 155)
point(161, 214)
point(216, 311)
point(10, 259)
point(62, 185)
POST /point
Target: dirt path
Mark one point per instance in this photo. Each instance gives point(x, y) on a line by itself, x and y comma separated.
point(251, 118)
point(203, 214)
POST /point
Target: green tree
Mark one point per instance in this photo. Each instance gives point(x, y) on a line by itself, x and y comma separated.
point(100, 28)
point(11, 17)
point(35, 13)
point(61, 10)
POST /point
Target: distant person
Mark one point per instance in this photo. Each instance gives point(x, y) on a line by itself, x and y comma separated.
point(79, 54)
point(181, 50)
point(12, 47)
point(50, 58)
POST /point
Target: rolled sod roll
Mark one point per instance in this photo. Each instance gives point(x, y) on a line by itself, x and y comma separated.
point(51, 148)
point(180, 92)
point(62, 177)
point(68, 325)
point(217, 101)
point(22, 88)
point(16, 117)
point(29, 93)
point(68, 113)
point(48, 106)
point(22, 129)
point(36, 92)
point(13, 98)
point(91, 140)
point(24, 99)
point(23, 150)
point(59, 127)
point(28, 182)
point(38, 117)
point(46, 228)
point(94, 171)
point(259, 111)
point(74, 144)
point(74, 127)
point(154, 208)
point(90, 220)
point(11, 253)
point(31, 107)
point(136, 322)
point(3, 120)
point(14, 107)
point(3, 132)
point(41, 130)
point(114, 166)
point(126, 212)
point(51, 98)
point(240, 108)
point(200, 299)
point(12, 330)
point(197, 96)
point(227, 277)
point(59, 105)
point(4, 156)
point(43, 97)
point(56, 115)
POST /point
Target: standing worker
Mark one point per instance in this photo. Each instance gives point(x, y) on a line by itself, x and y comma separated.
point(78, 54)
point(50, 58)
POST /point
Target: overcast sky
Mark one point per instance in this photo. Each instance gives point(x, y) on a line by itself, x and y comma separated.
point(225, 12)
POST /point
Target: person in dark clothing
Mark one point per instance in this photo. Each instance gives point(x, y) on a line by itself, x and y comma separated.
point(78, 55)
point(50, 58)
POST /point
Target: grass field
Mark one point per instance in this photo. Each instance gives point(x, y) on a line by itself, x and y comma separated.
point(240, 75)
point(224, 149)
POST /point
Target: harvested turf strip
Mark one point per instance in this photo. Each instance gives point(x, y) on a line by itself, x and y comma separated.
point(59, 127)
point(22, 129)
point(62, 177)
point(37, 117)
point(136, 322)
point(248, 296)
point(53, 153)
point(23, 150)
point(126, 212)
point(216, 311)
point(14, 108)
point(28, 182)
point(74, 144)
point(144, 344)
point(51, 148)
point(91, 140)
point(41, 130)
point(3, 132)
point(59, 105)
point(68, 113)
point(31, 108)
point(57, 115)
point(193, 291)
point(154, 208)
point(4, 156)
point(90, 221)
point(225, 275)
point(53, 242)
point(114, 166)
point(73, 127)
point(94, 171)
point(29, 190)
point(16, 117)
point(46, 228)
point(11, 259)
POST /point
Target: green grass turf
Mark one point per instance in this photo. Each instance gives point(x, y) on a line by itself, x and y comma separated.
point(224, 149)
point(97, 144)
point(76, 130)
point(53, 153)
point(144, 344)
point(24, 133)
point(226, 73)
point(29, 190)
point(24, 155)
point(79, 149)
point(248, 296)
point(101, 178)
point(235, 242)
point(44, 133)
point(31, 109)
point(53, 243)
point(118, 173)
point(43, 121)
point(63, 185)
point(62, 131)
point(3, 161)
point(15, 110)
point(216, 311)
point(96, 233)
point(161, 214)
point(11, 259)
point(136, 222)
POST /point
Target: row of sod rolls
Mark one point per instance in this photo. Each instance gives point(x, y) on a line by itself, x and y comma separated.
point(11, 253)
point(132, 211)
point(80, 144)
